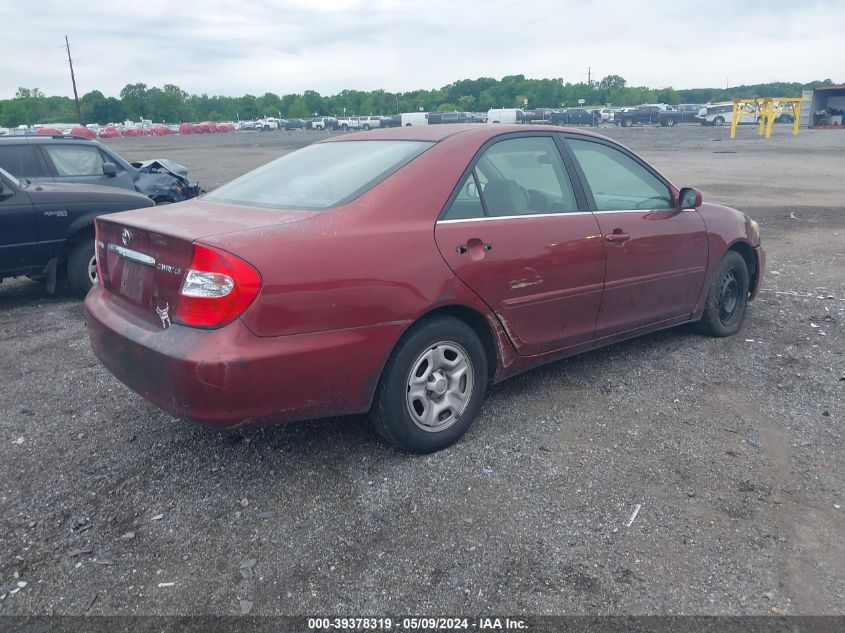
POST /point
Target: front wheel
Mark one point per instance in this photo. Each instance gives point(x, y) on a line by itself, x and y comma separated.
point(727, 299)
point(627, 122)
point(432, 387)
point(82, 268)
point(670, 122)
point(718, 121)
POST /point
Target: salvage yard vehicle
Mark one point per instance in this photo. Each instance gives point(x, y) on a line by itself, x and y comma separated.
point(575, 116)
point(71, 159)
point(505, 115)
point(718, 114)
point(47, 229)
point(644, 114)
point(324, 123)
point(298, 291)
point(414, 118)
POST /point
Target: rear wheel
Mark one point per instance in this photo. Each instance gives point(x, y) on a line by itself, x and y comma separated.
point(82, 268)
point(670, 122)
point(432, 387)
point(727, 298)
point(719, 121)
point(627, 122)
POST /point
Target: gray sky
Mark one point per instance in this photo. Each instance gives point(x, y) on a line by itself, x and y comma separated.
point(257, 46)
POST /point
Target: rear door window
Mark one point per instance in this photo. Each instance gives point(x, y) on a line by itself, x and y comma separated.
point(22, 161)
point(525, 176)
point(467, 204)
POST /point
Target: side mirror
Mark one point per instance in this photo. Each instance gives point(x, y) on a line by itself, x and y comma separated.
point(110, 170)
point(689, 198)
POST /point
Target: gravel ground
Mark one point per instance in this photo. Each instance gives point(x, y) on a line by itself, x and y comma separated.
point(733, 449)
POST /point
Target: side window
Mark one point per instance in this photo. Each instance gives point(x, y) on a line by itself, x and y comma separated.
point(108, 159)
point(75, 160)
point(467, 204)
point(21, 161)
point(525, 176)
point(618, 182)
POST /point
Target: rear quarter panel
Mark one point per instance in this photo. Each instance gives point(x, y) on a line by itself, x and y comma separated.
point(369, 262)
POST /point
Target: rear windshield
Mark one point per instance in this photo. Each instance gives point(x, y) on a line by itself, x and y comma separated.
point(319, 176)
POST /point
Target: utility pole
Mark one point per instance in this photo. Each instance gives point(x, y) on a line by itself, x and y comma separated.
point(73, 80)
point(589, 77)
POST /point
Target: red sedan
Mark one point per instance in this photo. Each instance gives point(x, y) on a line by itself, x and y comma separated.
point(402, 271)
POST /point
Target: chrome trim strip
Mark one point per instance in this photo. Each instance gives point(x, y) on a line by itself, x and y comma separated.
point(526, 216)
point(632, 211)
point(133, 256)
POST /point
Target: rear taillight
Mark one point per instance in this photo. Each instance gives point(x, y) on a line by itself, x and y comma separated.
point(217, 288)
point(98, 246)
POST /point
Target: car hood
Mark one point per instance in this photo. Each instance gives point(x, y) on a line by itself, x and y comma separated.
point(76, 192)
point(180, 171)
point(195, 219)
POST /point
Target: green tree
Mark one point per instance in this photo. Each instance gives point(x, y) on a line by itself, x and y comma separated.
point(134, 99)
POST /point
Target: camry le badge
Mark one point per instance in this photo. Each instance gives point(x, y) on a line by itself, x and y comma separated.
point(126, 237)
point(164, 315)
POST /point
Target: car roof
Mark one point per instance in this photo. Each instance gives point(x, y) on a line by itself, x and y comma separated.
point(34, 138)
point(437, 133)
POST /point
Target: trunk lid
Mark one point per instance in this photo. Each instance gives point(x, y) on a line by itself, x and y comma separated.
point(145, 254)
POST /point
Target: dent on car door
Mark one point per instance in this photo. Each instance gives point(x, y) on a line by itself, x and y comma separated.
point(514, 232)
point(18, 230)
point(656, 253)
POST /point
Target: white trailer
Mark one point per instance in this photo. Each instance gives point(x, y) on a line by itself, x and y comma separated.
point(505, 115)
point(414, 118)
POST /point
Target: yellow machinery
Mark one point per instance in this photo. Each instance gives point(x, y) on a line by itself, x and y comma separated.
point(765, 110)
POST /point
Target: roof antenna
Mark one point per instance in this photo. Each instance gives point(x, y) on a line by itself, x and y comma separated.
point(73, 80)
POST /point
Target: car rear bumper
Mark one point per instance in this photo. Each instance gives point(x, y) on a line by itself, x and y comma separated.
point(229, 376)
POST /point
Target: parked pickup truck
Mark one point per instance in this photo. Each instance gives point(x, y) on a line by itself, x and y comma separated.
point(644, 114)
point(575, 116)
point(47, 228)
point(324, 123)
point(359, 122)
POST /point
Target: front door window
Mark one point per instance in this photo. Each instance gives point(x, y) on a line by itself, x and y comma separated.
point(619, 182)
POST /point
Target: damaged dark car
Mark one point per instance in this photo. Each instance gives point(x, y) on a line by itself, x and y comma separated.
point(76, 160)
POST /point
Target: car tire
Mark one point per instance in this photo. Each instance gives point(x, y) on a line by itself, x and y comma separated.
point(444, 358)
point(627, 122)
point(727, 298)
point(366, 127)
point(670, 122)
point(718, 121)
point(81, 268)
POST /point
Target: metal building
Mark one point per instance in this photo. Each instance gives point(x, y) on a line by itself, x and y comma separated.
point(824, 107)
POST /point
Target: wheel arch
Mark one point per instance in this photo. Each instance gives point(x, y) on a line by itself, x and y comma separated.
point(79, 235)
point(750, 257)
point(471, 317)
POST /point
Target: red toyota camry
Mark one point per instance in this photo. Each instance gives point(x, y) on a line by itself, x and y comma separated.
point(402, 271)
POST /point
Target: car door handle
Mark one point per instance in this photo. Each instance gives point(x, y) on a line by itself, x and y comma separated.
point(617, 238)
point(463, 249)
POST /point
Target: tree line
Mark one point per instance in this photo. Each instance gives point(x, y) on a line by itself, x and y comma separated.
point(171, 104)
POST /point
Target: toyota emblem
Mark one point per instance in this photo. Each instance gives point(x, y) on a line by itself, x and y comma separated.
point(126, 237)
